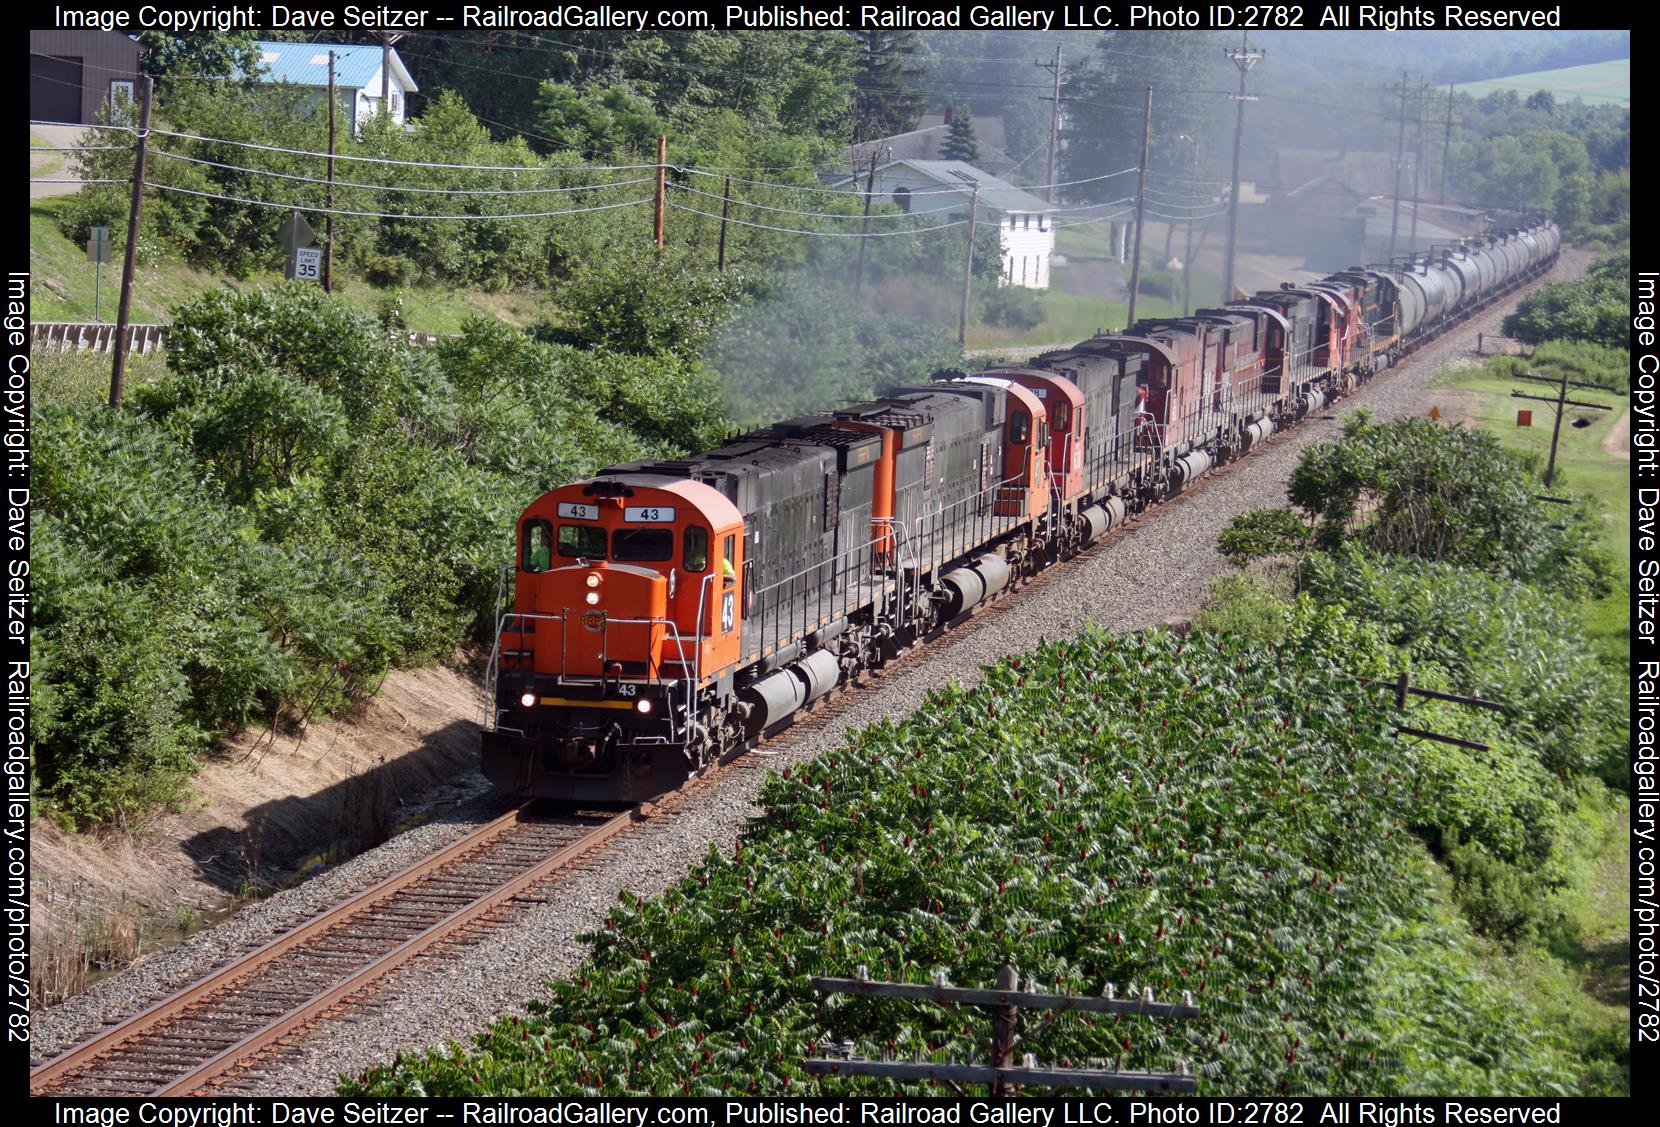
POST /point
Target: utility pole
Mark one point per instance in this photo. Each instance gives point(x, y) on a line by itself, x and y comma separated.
point(864, 228)
point(1051, 174)
point(1244, 59)
point(1192, 206)
point(968, 262)
point(328, 218)
point(1417, 163)
point(657, 209)
point(1400, 154)
point(1446, 146)
point(123, 314)
point(387, 38)
point(725, 210)
point(1560, 401)
point(1141, 200)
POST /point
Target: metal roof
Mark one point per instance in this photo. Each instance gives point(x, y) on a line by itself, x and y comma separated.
point(997, 194)
point(307, 64)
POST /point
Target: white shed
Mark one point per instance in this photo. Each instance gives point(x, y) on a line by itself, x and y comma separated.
point(1024, 222)
point(357, 73)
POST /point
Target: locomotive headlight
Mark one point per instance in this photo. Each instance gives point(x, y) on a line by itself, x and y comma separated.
point(528, 700)
point(643, 704)
point(592, 597)
point(593, 579)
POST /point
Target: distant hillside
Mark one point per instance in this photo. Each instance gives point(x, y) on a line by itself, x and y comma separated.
point(1598, 84)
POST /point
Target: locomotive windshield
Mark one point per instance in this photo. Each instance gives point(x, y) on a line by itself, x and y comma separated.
point(581, 540)
point(644, 545)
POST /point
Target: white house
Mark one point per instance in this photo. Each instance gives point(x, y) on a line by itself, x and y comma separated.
point(1024, 222)
point(357, 73)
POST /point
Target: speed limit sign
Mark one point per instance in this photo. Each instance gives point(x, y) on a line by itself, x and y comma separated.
point(308, 264)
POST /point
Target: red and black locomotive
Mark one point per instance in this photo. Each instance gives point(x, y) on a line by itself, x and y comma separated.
point(666, 613)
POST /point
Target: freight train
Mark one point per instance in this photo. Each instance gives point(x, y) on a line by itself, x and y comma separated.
point(666, 614)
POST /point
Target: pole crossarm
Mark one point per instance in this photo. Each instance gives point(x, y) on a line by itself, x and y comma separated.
point(1554, 380)
point(1565, 402)
point(1026, 1000)
point(1478, 702)
point(985, 1074)
point(1439, 738)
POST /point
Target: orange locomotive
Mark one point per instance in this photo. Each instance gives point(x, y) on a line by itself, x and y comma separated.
point(668, 613)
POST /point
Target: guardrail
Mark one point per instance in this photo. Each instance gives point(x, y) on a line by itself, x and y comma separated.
point(84, 336)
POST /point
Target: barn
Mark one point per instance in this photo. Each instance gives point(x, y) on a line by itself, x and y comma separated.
point(73, 75)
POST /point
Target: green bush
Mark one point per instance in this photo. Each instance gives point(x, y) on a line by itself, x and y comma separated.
point(1192, 814)
point(1014, 307)
point(1505, 902)
point(1265, 532)
point(1443, 494)
point(1494, 637)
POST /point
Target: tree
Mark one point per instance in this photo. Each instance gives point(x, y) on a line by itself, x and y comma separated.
point(205, 54)
point(961, 144)
point(1543, 101)
point(1104, 104)
point(1444, 494)
point(888, 97)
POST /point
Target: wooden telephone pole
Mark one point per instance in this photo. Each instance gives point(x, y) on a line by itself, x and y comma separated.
point(968, 262)
point(1244, 59)
point(1560, 401)
point(129, 265)
point(658, 201)
point(1141, 202)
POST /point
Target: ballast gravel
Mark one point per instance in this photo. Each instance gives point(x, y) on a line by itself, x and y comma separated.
point(1156, 569)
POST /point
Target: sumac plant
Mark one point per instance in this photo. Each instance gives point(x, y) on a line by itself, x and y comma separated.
point(1147, 810)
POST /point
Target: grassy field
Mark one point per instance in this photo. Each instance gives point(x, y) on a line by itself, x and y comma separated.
point(63, 289)
point(1600, 84)
point(1584, 468)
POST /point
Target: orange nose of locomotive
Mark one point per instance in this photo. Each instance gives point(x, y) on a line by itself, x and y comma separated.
point(613, 616)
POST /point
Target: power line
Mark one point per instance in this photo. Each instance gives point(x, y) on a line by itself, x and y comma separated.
point(391, 214)
point(401, 188)
point(820, 234)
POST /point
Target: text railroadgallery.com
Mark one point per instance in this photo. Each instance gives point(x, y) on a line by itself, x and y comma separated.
point(1093, 1111)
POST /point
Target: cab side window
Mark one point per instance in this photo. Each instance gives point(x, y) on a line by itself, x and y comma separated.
point(1020, 427)
point(536, 546)
point(729, 561)
point(696, 557)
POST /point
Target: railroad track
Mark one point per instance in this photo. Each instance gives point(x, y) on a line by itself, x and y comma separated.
point(189, 1039)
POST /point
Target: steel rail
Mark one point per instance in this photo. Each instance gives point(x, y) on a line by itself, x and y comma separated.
point(167, 1007)
point(284, 1024)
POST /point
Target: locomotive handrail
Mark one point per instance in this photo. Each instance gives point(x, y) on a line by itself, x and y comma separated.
point(963, 518)
point(834, 564)
point(562, 677)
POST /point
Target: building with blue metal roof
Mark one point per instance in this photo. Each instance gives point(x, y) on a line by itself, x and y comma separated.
point(358, 73)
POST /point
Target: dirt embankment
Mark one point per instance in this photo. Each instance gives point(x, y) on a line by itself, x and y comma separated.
point(265, 805)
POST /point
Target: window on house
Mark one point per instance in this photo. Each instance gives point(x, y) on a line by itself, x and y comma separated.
point(397, 102)
point(1028, 224)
